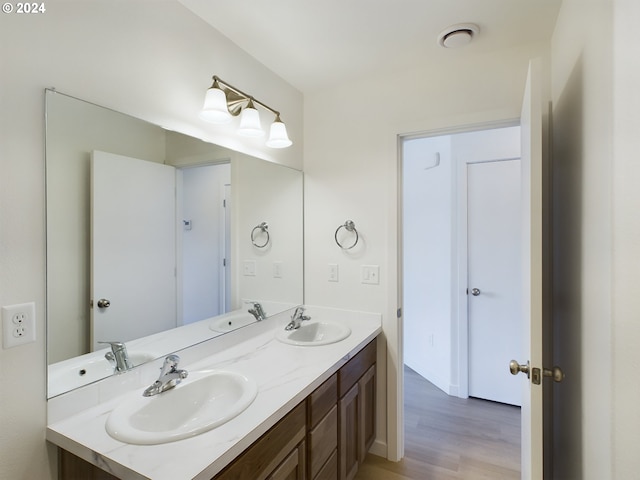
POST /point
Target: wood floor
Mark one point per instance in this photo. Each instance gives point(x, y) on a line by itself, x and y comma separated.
point(451, 438)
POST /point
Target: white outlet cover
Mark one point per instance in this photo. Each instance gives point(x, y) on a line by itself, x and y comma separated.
point(18, 324)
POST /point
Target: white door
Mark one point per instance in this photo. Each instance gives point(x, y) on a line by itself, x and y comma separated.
point(494, 278)
point(133, 248)
point(531, 165)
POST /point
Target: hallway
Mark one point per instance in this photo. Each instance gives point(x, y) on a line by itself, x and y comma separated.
point(450, 438)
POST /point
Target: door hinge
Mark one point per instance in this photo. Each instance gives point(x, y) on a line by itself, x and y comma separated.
point(399, 313)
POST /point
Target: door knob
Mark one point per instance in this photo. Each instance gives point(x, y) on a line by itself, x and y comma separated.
point(515, 368)
point(556, 373)
point(104, 303)
point(475, 292)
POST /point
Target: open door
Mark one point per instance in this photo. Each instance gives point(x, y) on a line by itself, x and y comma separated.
point(532, 275)
point(133, 248)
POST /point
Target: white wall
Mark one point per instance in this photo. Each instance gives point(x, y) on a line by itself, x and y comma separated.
point(582, 120)
point(153, 60)
point(596, 176)
point(626, 240)
point(351, 172)
point(428, 257)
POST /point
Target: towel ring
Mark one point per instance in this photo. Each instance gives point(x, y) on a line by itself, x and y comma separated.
point(264, 228)
point(349, 226)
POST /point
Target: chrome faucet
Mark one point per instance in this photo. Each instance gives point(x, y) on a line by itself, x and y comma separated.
point(118, 356)
point(169, 377)
point(297, 318)
point(257, 311)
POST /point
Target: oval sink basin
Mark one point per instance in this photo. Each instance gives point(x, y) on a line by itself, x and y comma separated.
point(315, 333)
point(203, 401)
point(227, 324)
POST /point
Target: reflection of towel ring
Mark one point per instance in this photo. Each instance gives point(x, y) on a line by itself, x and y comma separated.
point(349, 226)
point(264, 228)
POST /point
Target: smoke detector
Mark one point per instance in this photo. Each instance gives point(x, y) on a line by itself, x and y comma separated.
point(457, 35)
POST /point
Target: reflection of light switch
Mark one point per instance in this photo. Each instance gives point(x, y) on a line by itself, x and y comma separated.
point(333, 272)
point(277, 269)
point(249, 268)
point(371, 274)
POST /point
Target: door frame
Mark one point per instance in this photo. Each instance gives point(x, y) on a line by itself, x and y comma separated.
point(395, 379)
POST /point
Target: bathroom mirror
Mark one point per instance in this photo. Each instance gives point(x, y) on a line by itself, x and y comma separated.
point(225, 229)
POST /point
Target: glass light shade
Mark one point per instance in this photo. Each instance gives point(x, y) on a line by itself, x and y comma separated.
point(250, 123)
point(278, 137)
point(215, 107)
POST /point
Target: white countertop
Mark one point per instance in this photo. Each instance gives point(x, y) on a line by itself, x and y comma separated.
point(285, 374)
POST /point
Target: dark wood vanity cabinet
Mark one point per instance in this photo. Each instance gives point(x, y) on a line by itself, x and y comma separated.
point(340, 428)
point(279, 454)
point(356, 411)
point(325, 437)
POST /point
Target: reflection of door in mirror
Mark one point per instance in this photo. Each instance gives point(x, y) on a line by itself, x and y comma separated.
point(205, 234)
point(133, 260)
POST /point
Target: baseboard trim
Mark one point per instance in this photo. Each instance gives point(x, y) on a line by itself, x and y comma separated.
point(379, 448)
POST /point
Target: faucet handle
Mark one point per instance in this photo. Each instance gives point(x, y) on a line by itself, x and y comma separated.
point(114, 345)
point(170, 363)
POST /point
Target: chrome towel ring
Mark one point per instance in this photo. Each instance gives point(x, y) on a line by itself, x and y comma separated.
point(349, 226)
point(264, 228)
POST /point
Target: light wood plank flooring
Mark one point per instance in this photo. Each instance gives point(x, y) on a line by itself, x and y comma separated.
point(451, 438)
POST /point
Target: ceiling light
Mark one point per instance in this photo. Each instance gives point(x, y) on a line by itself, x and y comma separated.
point(223, 102)
point(457, 35)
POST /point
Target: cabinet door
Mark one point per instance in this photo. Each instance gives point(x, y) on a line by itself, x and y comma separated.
point(292, 468)
point(367, 420)
point(349, 434)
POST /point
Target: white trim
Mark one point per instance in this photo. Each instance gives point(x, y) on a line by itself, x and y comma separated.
point(395, 376)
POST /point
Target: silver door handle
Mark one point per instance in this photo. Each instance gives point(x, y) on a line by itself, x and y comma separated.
point(515, 368)
point(104, 303)
point(535, 374)
point(475, 292)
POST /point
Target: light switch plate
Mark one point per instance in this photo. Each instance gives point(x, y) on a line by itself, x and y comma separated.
point(333, 272)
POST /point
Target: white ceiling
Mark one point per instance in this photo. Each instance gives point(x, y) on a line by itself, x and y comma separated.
point(315, 44)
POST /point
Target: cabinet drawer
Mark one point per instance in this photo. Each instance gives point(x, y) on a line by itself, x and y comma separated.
point(293, 466)
point(323, 440)
point(322, 400)
point(330, 469)
point(356, 367)
point(266, 453)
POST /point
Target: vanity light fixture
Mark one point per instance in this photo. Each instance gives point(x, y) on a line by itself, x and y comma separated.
point(223, 102)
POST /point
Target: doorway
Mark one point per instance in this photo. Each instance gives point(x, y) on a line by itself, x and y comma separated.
point(436, 271)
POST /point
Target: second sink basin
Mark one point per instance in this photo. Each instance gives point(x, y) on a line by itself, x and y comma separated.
point(203, 401)
point(315, 333)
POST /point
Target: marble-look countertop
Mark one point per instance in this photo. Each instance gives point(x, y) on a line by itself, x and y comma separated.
point(285, 375)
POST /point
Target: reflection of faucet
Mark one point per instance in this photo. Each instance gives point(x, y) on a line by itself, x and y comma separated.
point(169, 377)
point(257, 311)
point(297, 318)
point(118, 356)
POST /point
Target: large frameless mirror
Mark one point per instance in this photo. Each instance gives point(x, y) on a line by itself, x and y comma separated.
point(157, 240)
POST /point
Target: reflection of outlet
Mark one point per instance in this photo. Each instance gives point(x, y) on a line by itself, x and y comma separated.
point(18, 324)
point(249, 268)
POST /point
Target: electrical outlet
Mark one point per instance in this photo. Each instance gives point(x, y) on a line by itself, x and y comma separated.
point(370, 274)
point(18, 324)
